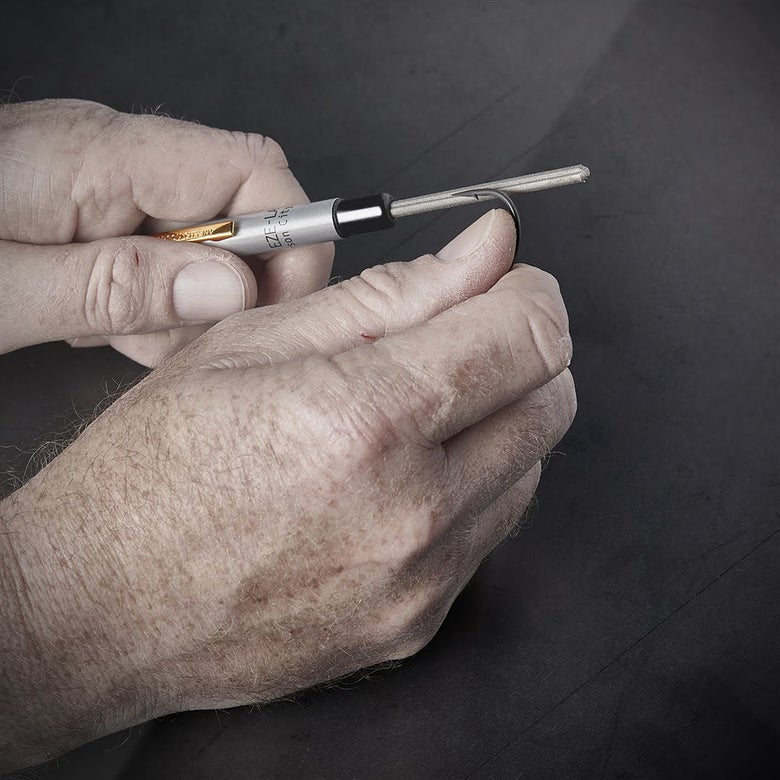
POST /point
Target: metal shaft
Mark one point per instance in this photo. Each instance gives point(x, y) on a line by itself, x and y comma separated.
point(575, 174)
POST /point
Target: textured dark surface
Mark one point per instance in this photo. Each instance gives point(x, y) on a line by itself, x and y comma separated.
point(633, 630)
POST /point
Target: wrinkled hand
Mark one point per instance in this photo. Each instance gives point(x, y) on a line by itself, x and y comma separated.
point(300, 493)
point(79, 179)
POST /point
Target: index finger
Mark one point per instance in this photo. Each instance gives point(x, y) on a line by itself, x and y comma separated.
point(469, 361)
point(222, 173)
point(97, 173)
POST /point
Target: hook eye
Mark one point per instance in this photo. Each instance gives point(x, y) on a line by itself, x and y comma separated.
point(506, 200)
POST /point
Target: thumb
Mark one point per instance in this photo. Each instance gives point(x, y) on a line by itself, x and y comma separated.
point(115, 286)
point(382, 300)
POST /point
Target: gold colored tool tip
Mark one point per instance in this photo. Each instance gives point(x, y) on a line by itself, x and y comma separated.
point(212, 231)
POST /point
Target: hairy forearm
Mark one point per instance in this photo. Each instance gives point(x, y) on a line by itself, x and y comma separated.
point(62, 678)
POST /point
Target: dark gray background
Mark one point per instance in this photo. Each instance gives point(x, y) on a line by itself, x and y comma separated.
point(632, 630)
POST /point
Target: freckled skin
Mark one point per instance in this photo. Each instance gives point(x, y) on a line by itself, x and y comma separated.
point(285, 500)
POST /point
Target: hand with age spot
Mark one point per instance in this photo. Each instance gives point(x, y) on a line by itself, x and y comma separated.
point(301, 492)
point(79, 179)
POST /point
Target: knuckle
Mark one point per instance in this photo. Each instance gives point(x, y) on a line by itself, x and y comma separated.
point(115, 301)
point(363, 430)
point(377, 290)
point(412, 645)
point(272, 151)
point(548, 314)
point(386, 406)
point(418, 530)
point(539, 278)
point(410, 624)
point(542, 316)
point(554, 409)
point(567, 398)
point(532, 477)
point(262, 150)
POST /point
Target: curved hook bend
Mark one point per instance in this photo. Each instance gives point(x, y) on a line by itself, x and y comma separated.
point(507, 201)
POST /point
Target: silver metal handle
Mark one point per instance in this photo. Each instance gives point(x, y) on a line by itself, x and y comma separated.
point(282, 228)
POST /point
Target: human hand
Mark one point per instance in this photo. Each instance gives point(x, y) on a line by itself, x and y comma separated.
point(79, 179)
point(300, 493)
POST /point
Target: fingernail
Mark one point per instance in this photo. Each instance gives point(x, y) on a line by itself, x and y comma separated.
point(466, 242)
point(87, 341)
point(208, 291)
